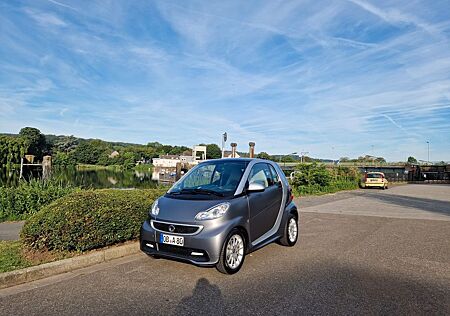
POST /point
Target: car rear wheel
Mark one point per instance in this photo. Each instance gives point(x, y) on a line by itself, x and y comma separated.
point(290, 231)
point(232, 254)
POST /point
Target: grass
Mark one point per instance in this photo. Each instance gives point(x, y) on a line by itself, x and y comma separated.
point(99, 167)
point(12, 256)
point(144, 167)
point(27, 198)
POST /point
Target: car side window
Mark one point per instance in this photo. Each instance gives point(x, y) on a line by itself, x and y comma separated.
point(261, 173)
point(275, 177)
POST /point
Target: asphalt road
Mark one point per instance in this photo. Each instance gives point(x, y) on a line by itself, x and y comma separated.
point(369, 262)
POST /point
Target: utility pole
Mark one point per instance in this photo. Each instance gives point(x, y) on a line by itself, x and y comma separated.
point(428, 145)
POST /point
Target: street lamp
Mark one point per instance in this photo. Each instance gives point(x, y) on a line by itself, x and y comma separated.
point(303, 153)
point(224, 139)
point(428, 145)
point(373, 155)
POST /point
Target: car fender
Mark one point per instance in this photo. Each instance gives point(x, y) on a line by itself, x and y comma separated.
point(289, 208)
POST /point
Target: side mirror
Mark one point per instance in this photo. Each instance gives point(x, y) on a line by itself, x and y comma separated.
point(256, 186)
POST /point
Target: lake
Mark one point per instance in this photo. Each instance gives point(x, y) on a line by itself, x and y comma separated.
point(91, 177)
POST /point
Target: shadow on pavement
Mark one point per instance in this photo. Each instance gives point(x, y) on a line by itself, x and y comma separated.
point(308, 288)
point(206, 299)
point(338, 289)
point(429, 205)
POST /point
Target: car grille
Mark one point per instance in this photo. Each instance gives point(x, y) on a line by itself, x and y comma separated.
point(179, 229)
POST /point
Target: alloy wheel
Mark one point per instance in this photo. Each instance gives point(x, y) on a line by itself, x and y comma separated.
point(234, 251)
point(292, 229)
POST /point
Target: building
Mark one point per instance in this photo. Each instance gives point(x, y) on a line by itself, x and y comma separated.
point(114, 154)
point(169, 168)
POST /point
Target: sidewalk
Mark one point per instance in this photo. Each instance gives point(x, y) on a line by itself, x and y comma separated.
point(10, 230)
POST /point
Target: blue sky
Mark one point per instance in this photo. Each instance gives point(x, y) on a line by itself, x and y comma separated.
point(329, 77)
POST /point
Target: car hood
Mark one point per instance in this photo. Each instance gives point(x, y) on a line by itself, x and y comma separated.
point(180, 210)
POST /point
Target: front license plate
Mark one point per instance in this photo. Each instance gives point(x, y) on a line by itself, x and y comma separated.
point(171, 240)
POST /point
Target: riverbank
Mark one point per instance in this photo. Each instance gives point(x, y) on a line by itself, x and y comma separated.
point(141, 167)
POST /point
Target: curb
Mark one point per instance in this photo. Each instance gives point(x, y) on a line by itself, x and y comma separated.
point(41, 271)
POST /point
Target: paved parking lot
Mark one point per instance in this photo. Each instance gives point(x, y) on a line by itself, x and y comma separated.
point(361, 252)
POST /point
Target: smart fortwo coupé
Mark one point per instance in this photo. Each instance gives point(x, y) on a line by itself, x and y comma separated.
point(220, 211)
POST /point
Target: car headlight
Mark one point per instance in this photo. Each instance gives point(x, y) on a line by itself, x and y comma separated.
point(214, 212)
point(155, 208)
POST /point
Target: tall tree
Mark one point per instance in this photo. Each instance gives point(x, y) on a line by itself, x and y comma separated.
point(87, 152)
point(35, 141)
point(264, 155)
point(213, 151)
point(412, 160)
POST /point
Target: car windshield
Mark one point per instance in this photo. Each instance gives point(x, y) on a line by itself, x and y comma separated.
point(215, 178)
point(374, 175)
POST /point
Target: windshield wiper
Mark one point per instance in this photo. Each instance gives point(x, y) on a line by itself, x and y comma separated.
point(206, 191)
point(198, 191)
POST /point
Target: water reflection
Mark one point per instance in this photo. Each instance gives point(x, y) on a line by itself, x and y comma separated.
point(96, 179)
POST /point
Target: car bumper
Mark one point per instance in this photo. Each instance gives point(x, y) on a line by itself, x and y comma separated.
point(201, 249)
point(367, 185)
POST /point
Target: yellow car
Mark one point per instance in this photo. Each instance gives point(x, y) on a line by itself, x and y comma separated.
point(376, 180)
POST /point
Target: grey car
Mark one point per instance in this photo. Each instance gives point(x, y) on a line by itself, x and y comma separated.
point(220, 211)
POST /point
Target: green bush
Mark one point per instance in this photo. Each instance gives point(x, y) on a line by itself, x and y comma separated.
point(318, 179)
point(27, 198)
point(89, 219)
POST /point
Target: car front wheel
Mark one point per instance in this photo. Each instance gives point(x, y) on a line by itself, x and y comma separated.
point(232, 254)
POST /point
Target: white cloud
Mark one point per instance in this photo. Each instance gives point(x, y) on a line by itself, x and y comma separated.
point(290, 75)
point(45, 18)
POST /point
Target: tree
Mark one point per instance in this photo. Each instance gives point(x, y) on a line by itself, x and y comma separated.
point(129, 160)
point(65, 143)
point(412, 160)
point(63, 159)
point(264, 155)
point(287, 158)
point(12, 149)
point(213, 151)
point(87, 152)
point(35, 141)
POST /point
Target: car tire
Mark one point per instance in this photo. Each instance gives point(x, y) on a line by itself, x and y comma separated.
point(232, 254)
point(289, 239)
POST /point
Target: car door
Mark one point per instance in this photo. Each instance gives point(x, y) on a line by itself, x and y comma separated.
point(263, 206)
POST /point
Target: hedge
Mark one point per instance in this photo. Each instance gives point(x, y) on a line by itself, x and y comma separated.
point(89, 219)
point(313, 178)
point(21, 201)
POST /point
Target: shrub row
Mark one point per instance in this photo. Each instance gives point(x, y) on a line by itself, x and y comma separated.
point(316, 179)
point(89, 219)
point(27, 198)
point(334, 186)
